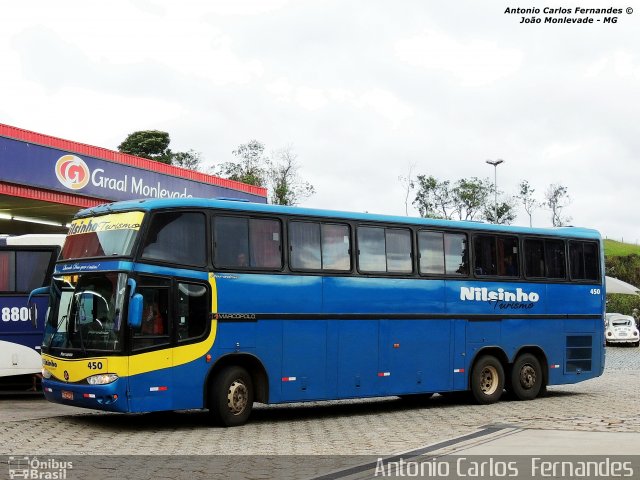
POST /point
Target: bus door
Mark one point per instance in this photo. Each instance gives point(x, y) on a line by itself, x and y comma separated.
point(151, 359)
point(459, 354)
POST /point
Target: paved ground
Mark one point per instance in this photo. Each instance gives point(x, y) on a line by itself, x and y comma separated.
point(31, 426)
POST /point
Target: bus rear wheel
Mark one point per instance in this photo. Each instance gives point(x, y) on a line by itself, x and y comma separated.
point(487, 380)
point(526, 377)
point(231, 397)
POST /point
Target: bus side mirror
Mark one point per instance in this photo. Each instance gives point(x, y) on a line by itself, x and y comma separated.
point(33, 308)
point(135, 311)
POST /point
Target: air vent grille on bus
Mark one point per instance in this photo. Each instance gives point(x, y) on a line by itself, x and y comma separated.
point(579, 353)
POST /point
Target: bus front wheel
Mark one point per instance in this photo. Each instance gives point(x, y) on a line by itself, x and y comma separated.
point(231, 397)
point(526, 377)
point(487, 380)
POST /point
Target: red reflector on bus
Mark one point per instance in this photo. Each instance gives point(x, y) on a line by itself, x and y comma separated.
point(208, 358)
point(89, 395)
point(554, 366)
point(384, 374)
point(396, 345)
point(288, 379)
point(458, 370)
point(158, 389)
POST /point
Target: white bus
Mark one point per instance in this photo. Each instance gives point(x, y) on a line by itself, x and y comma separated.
point(26, 263)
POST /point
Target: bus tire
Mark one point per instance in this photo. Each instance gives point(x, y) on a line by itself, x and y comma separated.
point(526, 377)
point(487, 380)
point(231, 397)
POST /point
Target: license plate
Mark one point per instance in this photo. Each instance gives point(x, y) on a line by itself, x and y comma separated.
point(623, 334)
point(67, 395)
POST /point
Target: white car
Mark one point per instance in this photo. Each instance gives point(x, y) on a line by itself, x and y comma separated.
point(621, 329)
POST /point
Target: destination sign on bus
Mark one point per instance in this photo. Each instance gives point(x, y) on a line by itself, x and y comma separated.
point(116, 221)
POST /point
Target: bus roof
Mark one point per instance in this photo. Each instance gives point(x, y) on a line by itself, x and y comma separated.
point(232, 205)
point(33, 240)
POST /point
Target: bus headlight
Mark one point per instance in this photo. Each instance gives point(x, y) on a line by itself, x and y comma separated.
point(102, 379)
point(46, 373)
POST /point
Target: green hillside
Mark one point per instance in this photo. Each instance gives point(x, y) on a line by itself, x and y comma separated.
point(619, 249)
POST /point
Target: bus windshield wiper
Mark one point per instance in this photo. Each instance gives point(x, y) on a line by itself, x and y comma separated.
point(78, 330)
point(55, 332)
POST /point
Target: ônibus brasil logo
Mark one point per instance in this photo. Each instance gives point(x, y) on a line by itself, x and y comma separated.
point(72, 172)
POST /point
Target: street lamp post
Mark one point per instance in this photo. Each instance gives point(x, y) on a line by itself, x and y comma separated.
point(495, 164)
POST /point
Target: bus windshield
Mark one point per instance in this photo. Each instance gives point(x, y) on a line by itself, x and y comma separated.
point(86, 312)
point(102, 236)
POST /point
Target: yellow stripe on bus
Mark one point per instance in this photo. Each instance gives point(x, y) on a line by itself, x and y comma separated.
point(77, 370)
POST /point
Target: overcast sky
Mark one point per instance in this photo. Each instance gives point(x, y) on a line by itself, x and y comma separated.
point(360, 89)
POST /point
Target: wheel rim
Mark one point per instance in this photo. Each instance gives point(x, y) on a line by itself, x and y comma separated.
point(489, 380)
point(527, 377)
point(237, 397)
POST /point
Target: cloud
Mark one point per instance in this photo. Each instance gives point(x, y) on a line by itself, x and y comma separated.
point(361, 89)
point(472, 63)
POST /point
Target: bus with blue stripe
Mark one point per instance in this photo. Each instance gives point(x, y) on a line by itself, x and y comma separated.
point(173, 304)
point(26, 263)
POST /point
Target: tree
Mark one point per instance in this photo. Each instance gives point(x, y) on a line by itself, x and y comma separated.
point(471, 196)
point(506, 212)
point(154, 145)
point(280, 175)
point(528, 201)
point(408, 185)
point(438, 199)
point(287, 188)
point(250, 167)
point(190, 160)
point(151, 144)
point(556, 199)
point(434, 199)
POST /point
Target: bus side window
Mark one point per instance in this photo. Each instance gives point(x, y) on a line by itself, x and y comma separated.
point(247, 243)
point(336, 247)
point(431, 247)
point(591, 261)
point(304, 245)
point(382, 250)
point(231, 242)
point(32, 269)
point(576, 260)
point(177, 237)
point(371, 249)
point(496, 255)
point(556, 259)
point(265, 242)
point(155, 313)
point(456, 254)
point(534, 258)
point(399, 254)
point(583, 259)
point(508, 263)
point(193, 311)
point(484, 248)
point(7, 272)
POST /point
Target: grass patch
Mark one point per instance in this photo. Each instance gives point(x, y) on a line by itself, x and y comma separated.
point(619, 249)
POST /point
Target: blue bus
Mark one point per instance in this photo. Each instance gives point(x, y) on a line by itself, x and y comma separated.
point(26, 263)
point(174, 304)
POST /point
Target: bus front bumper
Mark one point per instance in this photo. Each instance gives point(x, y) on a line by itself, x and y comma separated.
point(110, 397)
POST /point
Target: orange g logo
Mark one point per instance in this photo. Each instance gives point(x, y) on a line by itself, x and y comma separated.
point(72, 172)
